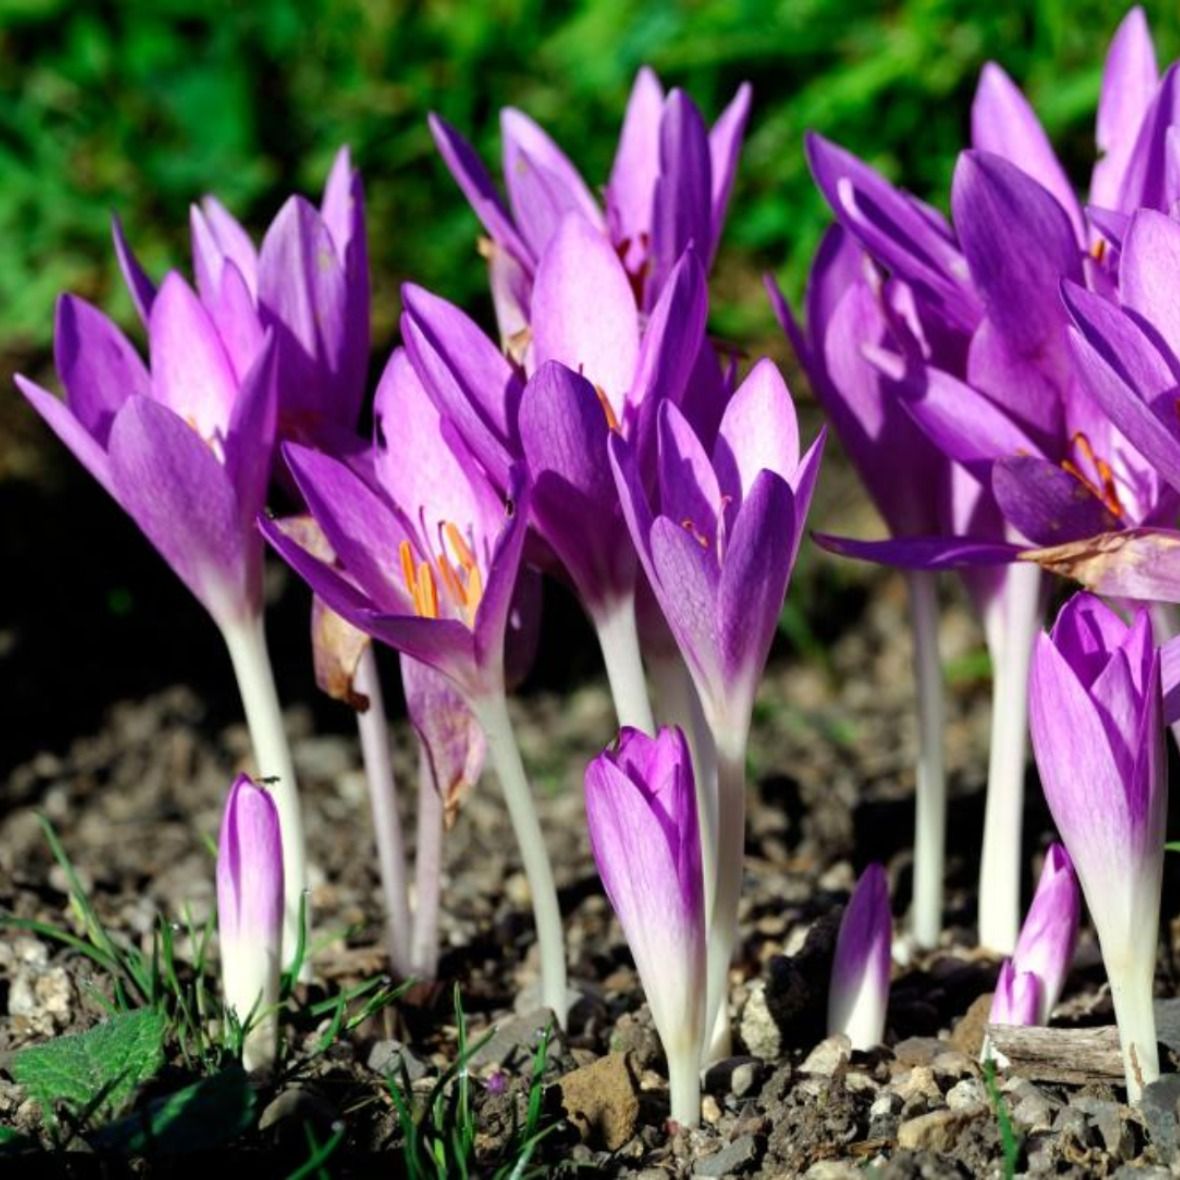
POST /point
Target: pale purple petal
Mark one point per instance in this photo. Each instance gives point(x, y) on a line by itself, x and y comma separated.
point(249, 869)
point(140, 287)
point(583, 310)
point(1049, 933)
point(1149, 276)
point(169, 481)
point(758, 432)
point(1017, 999)
point(859, 992)
point(191, 371)
point(1145, 180)
point(689, 492)
point(636, 166)
point(1129, 79)
point(62, 421)
point(1003, 122)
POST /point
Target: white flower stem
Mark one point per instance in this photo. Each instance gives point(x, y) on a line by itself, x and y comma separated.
point(1131, 991)
point(387, 825)
point(930, 803)
point(999, 877)
point(723, 912)
point(427, 872)
point(684, 1082)
point(246, 640)
point(618, 636)
point(492, 713)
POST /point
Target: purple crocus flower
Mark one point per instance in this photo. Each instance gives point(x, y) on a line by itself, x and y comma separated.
point(1030, 982)
point(859, 993)
point(592, 374)
point(308, 285)
point(185, 449)
point(1017, 998)
point(250, 916)
point(428, 560)
point(669, 188)
point(1097, 728)
point(641, 812)
point(718, 546)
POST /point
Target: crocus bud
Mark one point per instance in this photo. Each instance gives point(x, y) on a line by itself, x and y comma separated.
point(642, 815)
point(1050, 931)
point(1017, 999)
point(859, 991)
point(1097, 728)
point(250, 916)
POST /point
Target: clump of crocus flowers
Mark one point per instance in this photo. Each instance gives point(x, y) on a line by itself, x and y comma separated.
point(1001, 381)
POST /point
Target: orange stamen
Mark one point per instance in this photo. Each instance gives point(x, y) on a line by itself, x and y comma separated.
point(427, 593)
point(1104, 487)
point(612, 421)
point(695, 533)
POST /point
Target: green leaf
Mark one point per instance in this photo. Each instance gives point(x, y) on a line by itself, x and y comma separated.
point(200, 1117)
point(95, 1073)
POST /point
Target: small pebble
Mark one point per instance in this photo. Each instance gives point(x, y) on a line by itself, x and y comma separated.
point(827, 1056)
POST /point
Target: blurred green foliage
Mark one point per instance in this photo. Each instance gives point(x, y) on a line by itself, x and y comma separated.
point(140, 106)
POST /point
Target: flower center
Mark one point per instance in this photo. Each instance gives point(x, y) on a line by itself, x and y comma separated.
point(456, 570)
point(1100, 482)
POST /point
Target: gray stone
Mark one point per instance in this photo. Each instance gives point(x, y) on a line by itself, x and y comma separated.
point(388, 1057)
point(734, 1159)
point(515, 1037)
point(759, 1029)
point(734, 1075)
point(827, 1056)
point(832, 1170)
point(918, 1050)
point(297, 1103)
point(884, 1105)
point(937, 1131)
point(1158, 1107)
point(1071, 1121)
point(966, 1095)
point(1030, 1106)
point(953, 1064)
point(1112, 1126)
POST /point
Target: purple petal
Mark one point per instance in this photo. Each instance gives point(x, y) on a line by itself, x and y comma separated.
point(1018, 998)
point(62, 421)
point(963, 423)
point(754, 575)
point(1049, 933)
point(1145, 181)
point(673, 338)
point(500, 582)
point(303, 297)
point(859, 993)
point(467, 377)
point(140, 287)
point(922, 553)
point(1129, 80)
point(682, 205)
point(444, 644)
point(902, 234)
point(636, 166)
point(1126, 375)
point(97, 365)
point(564, 432)
point(725, 145)
point(1003, 122)
point(685, 580)
point(250, 869)
point(1149, 276)
point(583, 310)
point(1002, 213)
point(232, 240)
point(689, 492)
point(645, 840)
point(191, 372)
point(422, 468)
point(758, 433)
point(543, 186)
point(236, 320)
point(169, 481)
point(1047, 504)
point(362, 529)
point(473, 179)
point(452, 739)
point(250, 439)
point(1081, 780)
